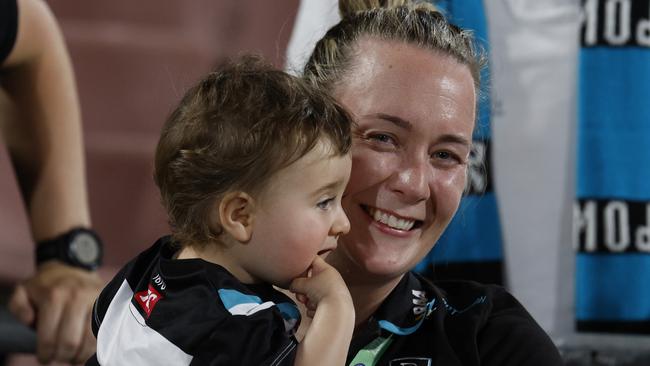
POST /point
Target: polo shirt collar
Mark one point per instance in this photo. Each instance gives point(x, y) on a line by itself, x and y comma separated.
point(406, 307)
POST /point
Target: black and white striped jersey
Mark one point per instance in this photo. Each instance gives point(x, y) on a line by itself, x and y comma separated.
point(162, 311)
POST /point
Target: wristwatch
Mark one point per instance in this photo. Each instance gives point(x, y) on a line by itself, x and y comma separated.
point(78, 247)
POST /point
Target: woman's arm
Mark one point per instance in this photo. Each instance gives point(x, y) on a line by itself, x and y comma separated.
point(45, 144)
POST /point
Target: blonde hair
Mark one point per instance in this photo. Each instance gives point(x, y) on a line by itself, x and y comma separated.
point(408, 21)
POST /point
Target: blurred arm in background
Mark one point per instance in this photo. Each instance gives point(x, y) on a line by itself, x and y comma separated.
point(46, 148)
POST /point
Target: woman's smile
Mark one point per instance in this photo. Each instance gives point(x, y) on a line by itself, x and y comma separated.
point(385, 219)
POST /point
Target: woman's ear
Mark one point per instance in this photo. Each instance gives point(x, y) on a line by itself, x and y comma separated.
point(236, 215)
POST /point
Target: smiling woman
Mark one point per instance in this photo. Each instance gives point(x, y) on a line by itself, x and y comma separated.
point(410, 79)
point(410, 153)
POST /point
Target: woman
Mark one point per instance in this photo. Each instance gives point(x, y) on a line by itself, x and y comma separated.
point(411, 80)
point(47, 151)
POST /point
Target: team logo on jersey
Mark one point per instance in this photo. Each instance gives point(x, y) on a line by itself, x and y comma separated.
point(410, 361)
point(148, 299)
point(158, 280)
point(420, 303)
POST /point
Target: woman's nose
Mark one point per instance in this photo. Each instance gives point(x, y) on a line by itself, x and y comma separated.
point(411, 180)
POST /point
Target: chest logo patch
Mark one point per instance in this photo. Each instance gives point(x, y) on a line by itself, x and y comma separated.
point(420, 303)
point(148, 299)
point(410, 361)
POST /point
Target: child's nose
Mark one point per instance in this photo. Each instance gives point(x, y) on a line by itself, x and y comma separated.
point(341, 223)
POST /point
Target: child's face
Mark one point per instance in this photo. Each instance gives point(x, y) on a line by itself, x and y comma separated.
point(298, 216)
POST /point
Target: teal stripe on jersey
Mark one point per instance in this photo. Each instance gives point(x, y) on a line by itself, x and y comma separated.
point(231, 298)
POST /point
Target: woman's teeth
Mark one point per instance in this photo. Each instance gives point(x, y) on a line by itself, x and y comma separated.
point(390, 220)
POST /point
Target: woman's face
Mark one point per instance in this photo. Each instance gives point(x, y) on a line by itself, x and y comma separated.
point(415, 114)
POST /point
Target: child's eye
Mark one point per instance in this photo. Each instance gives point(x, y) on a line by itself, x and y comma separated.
point(325, 204)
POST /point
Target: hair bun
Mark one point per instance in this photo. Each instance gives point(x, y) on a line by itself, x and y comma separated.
point(351, 7)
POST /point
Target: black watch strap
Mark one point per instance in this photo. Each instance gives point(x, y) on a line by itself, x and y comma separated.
point(47, 250)
point(79, 247)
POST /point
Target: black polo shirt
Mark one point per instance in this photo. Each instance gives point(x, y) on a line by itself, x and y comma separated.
point(451, 323)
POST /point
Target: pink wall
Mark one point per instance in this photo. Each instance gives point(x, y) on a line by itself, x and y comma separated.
point(133, 61)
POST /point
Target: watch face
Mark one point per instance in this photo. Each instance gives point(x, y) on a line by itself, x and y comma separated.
point(85, 249)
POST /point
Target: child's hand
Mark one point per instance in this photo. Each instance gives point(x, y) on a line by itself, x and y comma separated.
point(322, 287)
point(330, 306)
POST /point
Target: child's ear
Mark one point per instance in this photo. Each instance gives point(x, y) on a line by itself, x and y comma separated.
point(236, 214)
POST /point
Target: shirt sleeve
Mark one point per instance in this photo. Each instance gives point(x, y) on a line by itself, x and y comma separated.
point(511, 337)
point(8, 27)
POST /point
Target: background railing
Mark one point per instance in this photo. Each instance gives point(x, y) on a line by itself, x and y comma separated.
point(588, 356)
point(15, 337)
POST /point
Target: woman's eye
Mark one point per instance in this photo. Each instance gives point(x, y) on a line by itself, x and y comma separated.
point(446, 155)
point(325, 204)
point(382, 138)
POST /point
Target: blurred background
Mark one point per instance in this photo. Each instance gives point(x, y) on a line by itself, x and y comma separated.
point(134, 60)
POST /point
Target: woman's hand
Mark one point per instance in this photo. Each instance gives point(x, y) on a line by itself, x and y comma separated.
point(58, 302)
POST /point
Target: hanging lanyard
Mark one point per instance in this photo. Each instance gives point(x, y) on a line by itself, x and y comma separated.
point(371, 353)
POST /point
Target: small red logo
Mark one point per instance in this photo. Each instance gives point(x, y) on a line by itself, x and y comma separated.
point(148, 299)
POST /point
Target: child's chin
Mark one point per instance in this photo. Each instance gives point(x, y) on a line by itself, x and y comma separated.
point(287, 283)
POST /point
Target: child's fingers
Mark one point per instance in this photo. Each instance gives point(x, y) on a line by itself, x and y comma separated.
point(301, 298)
point(299, 285)
point(318, 265)
point(310, 305)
